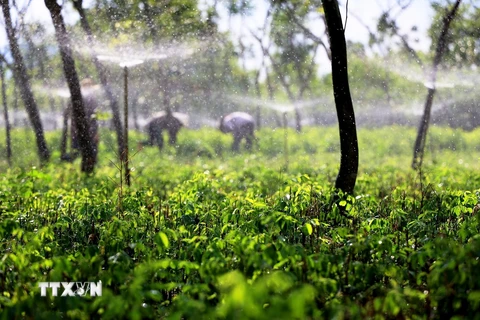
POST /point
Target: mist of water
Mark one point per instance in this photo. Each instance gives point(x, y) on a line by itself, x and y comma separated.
point(64, 92)
point(121, 61)
point(133, 54)
point(446, 78)
point(280, 107)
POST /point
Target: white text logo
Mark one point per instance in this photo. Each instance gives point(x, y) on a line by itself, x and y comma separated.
point(71, 289)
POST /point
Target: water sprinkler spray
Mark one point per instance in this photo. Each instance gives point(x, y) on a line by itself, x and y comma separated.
point(126, 61)
point(125, 65)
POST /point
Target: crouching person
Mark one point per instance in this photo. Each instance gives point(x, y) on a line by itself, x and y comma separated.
point(171, 122)
point(241, 125)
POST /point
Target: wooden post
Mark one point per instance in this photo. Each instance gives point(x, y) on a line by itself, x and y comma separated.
point(125, 135)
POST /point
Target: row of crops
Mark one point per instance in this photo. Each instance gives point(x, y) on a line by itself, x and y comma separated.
point(238, 237)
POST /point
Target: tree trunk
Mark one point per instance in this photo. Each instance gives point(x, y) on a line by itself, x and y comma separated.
point(347, 174)
point(134, 106)
point(117, 122)
point(23, 82)
point(5, 114)
point(270, 96)
point(291, 97)
point(42, 57)
point(163, 72)
point(284, 83)
point(51, 101)
point(78, 111)
point(419, 147)
point(259, 95)
point(64, 140)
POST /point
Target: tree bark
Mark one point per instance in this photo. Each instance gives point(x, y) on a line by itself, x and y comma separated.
point(23, 82)
point(78, 111)
point(5, 114)
point(64, 139)
point(347, 174)
point(419, 148)
point(117, 122)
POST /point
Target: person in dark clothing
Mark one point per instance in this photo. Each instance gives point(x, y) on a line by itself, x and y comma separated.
point(241, 125)
point(172, 122)
point(90, 105)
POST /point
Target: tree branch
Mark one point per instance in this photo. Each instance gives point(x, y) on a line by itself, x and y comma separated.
point(309, 33)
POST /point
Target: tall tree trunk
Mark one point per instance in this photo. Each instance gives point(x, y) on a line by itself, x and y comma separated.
point(15, 105)
point(5, 114)
point(78, 111)
point(283, 81)
point(134, 106)
point(258, 115)
point(291, 97)
point(64, 139)
point(419, 147)
point(42, 57)
point(51, 101)
point(150, 19)
point(22, 81)
point(270, 96)
point(347, 174)
point(117, 122)
point(165, 85)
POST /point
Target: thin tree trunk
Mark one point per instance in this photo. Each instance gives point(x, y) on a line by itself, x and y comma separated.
point(15, 105)
point(78, 110)
point(117, 122)
point(286, 86)
point(51, 101)
point(43, 75)
point(270, 96)
point(258, 115)
point(165, 94)
point(283, 81)
point(5, 114)
point(419, 148)
point(150, 19)
point(21, 79)
point(64, 139)
point(347, 174)
point(135, 112)
point(309, 34)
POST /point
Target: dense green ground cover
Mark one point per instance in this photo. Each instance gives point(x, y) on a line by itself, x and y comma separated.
point(203, 233)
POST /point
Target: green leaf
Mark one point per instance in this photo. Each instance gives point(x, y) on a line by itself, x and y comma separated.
point(307, 229)
point(161, 239)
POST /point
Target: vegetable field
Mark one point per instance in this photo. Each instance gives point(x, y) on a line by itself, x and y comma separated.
point(206, 234)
